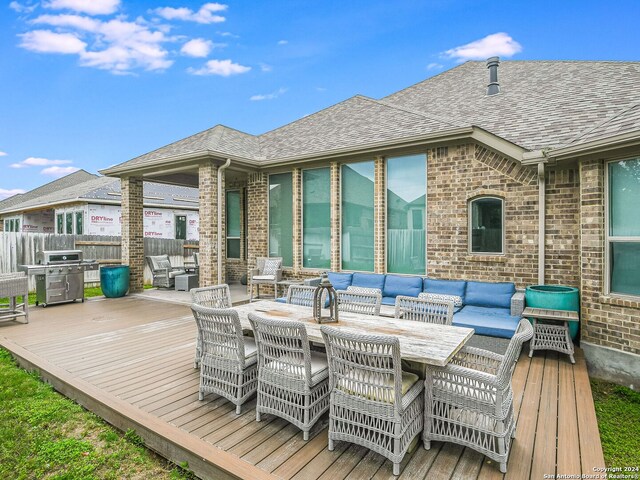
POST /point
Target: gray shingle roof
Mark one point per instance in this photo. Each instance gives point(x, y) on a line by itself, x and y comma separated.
point(542, 105)
point(626, 121)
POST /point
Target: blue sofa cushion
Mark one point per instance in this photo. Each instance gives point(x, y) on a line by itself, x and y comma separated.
point(368, 280)
point(445, 287)
point(494, 322)
point(395, 285)
point(388, 301)
point(493, 295)
point(281, 299)
point(339, 280)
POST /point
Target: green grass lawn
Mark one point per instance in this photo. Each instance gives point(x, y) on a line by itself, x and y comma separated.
point(45, 435)
point(618, 412)
point(88, 293)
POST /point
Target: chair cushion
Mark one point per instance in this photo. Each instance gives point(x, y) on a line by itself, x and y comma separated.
point(395, 285)
point(408, 380)
point(486, 294)
point(493, 322)
point(250, 347)
point(368, 280)
point(446, 287)
point(271, 266)
point(318, 363)
point(457, 300)
point(175, 273)
point(162, 263)
point(339, 280)
point(281, 300)
point(263, 277)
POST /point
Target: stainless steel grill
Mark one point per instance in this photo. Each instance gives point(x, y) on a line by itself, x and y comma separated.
point(59, 275)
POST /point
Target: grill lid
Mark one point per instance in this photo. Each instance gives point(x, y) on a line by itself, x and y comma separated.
point(55, 257)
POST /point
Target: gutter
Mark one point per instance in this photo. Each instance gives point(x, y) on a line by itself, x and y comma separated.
point(221, 169)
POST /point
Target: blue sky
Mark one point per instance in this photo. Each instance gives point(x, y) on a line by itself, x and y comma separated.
point(91, 83)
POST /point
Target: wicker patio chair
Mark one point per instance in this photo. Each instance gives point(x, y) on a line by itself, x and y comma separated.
point(293, 381)
point(268, 271)
point(217, 296)
point(12, 286)
point(373, 402)
point(163, 273)
point(300, 295)
point(428, 311)
point(470, 401)
point(229, 361)
point(359, 300)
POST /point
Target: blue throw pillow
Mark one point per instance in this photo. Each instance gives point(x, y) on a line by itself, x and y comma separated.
point(339, 280)
point(445, 287)
point(368, 280)
point(486, 294)
point(395, 285)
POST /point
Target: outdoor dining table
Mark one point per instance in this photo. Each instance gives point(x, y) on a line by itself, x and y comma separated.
point(425, 343)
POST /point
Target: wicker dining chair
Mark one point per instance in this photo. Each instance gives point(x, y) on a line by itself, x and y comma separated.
point(428, 311)
point(216, 296)
point(300, 295)
point(356, 300)
point(373, 402)
point(470, 401)
point(293, 381)
point(229, 361)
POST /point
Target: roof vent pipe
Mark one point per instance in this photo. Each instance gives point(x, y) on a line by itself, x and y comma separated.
point(494, 87)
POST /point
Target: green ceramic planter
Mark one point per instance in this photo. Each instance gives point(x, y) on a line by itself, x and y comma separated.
point(114, 280)
point(556, 297)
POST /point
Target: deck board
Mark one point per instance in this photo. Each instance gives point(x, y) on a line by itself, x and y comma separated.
point(134, 358)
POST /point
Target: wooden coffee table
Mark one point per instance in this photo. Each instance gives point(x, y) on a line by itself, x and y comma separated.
point(551, 330)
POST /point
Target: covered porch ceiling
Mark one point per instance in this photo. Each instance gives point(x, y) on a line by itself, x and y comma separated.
point(188, 175)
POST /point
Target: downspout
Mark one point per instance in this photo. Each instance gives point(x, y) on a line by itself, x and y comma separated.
point(220, 192)
point(541, 222)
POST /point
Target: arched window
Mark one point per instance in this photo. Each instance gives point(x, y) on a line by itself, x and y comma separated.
point(486, 225)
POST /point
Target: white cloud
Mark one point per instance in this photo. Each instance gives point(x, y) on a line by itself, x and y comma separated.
point(434, 66)
point(46, 41)
point(205, 15)
point(39, 162)
point(223, 68)
point(58, 171)
point(269, 96)
point(3, 154)
point(92, 7)
point(283, 42)
point(198, 47)
point(265, 67)
point(20, 8)
point(500, 44)
point(228, 34)
point(6, 193)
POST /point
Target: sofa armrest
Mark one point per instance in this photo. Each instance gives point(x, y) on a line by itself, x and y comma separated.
point(517, 303)
point(313, 282)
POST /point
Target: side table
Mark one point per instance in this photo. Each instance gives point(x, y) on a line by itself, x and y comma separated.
point(186, 282)
point(285, 284)
point(551, 330)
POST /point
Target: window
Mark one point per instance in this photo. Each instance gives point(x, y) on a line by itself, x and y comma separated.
point(357, 216)
point(233, 224)
point(316, 218)
point(12, 225)
point(281, 217)
point(486, 225)
point(623, 229)
point(79, 223)
point(69, 223)
point(59, 223)
point(6, 226)
point(406, 214)
point(16, 225)
point(181, 227)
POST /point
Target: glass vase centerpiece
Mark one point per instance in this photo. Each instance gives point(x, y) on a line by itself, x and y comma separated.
point(322, 291)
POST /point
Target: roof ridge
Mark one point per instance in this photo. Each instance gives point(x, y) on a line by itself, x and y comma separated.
point(603, 123)
point(417, 112)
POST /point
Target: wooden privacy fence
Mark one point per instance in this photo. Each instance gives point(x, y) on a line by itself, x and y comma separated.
point(20, 249)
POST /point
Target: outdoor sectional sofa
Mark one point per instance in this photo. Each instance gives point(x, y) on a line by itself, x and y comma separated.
point(493, 310)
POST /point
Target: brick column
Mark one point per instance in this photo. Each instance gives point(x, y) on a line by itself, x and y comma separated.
point(133, 231)
point(208, 190)
point(296, 179)
point(379, 216)
point(335, 217)
point(257, 214)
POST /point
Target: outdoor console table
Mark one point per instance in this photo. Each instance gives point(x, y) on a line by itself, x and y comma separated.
point(14, 285)
point(551, 330)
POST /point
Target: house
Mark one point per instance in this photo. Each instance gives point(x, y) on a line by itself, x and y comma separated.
point(83, 203)
point(532, 178)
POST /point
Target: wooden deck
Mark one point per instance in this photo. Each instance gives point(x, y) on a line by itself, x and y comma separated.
point(130, 360)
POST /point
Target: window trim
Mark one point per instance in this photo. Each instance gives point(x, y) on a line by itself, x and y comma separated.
point(226, 226)
point(608, 239)
point(175, 225)
point(302, 267)
point(293, 214)
point(470, 222)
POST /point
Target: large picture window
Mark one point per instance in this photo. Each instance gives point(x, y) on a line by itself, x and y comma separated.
point(357, 216)
point(623, 232)
point(233, 224)
point(316, 218)
point(281, 217)
point(486, 225)
point(406, 214)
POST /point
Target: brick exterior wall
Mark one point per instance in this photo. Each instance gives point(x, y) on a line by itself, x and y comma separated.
point(236, 268)
point(606, 321)
point(133, 231)
point(208, 190)
point(336, 206)
point(379, 215)
point(257, 211)
point(296, 188)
